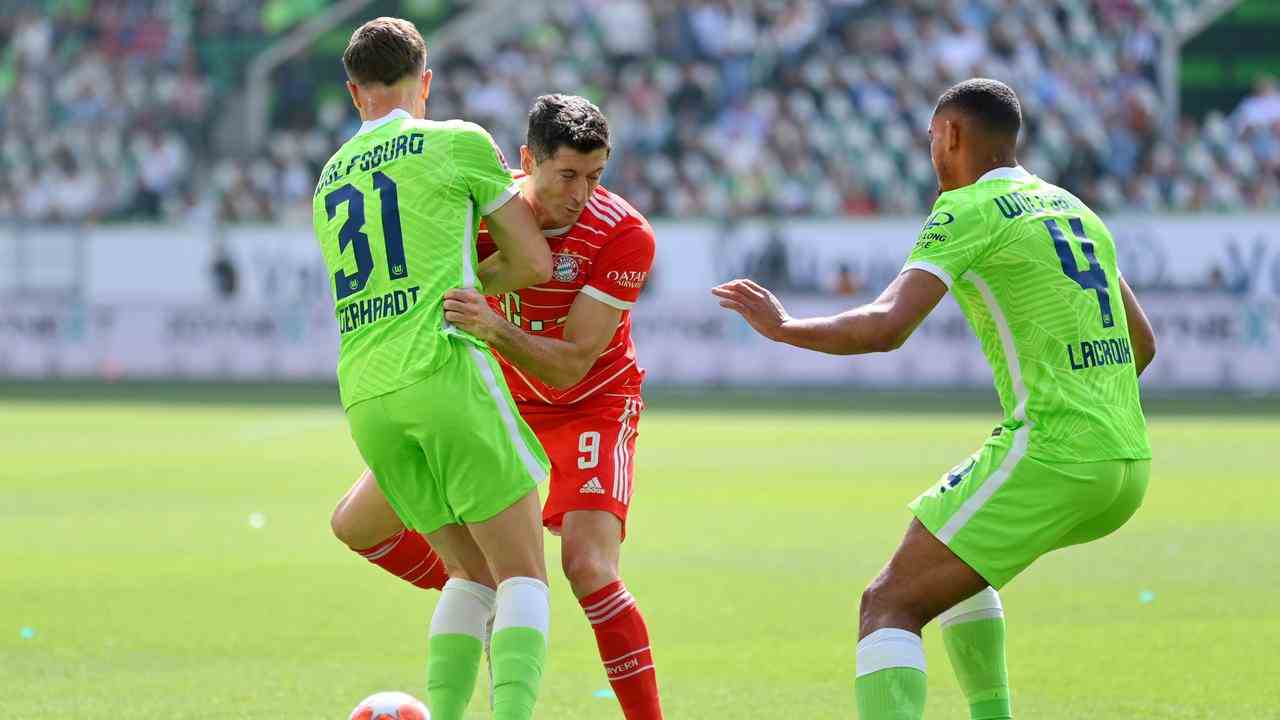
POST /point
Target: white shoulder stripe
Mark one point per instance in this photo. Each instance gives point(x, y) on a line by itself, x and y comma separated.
point(608, 204)
point(599, 211)
point(600, 215)
point(606, 208)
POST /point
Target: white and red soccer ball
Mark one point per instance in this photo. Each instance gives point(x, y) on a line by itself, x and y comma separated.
point(390, 706)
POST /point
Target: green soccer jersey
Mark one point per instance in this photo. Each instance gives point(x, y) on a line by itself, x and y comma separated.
point(396, 214)
point(1034, 271)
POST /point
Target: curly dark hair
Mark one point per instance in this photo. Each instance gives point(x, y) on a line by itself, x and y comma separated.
point(992, 103)
point(572, 121)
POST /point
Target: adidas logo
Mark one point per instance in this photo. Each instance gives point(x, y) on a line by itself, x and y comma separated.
point(592, 487)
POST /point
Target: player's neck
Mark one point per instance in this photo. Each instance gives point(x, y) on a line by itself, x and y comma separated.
point(539, 213)
point(378, 102)
point(976, 169)
point(377, 110)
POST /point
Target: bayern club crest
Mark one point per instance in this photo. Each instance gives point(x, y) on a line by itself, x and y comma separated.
point(564, 268)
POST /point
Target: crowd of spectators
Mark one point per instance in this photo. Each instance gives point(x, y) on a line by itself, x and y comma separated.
point(719, 107)
point(821, 106)
point(105, 106)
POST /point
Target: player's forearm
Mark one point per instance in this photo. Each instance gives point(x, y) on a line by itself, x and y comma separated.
point(499, 275)
point(558, 363)
point(861, 330)
point(1141, 335)
point(1143, 354)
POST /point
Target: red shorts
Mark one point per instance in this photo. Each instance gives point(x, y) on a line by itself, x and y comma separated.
point(591, 446)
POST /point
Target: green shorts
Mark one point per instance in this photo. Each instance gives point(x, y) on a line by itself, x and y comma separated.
point(1000, 510)
point(450, 448)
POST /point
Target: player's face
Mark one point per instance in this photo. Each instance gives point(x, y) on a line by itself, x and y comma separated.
point(563, 183)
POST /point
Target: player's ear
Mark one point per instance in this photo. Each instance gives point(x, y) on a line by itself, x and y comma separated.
point(951, 130)
point(526, 160)
point(426, 84)
point(355, 95)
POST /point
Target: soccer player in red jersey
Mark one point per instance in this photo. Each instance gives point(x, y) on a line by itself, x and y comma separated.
point(566, 349)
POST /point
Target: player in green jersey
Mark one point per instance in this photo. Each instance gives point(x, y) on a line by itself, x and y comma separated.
point(396, 214)
point(1034, 271)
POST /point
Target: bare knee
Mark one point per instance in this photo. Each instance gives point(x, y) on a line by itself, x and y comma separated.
point(585, 569)
point(884, 604)
point(873, 597)
point(478, 574)
point(353, 533)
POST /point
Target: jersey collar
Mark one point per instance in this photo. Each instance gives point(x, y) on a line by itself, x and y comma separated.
point(1006, 173)
point(369, 125)
point(556, 232)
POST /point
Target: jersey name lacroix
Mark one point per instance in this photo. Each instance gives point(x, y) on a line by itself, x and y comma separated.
point(1034, 270)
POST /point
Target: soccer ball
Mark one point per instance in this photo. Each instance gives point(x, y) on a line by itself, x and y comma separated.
point(390, 706)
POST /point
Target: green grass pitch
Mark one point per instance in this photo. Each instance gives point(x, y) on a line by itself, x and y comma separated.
point(126, 550)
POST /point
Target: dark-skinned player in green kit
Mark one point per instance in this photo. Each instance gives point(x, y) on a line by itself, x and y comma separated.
point(1034, 271)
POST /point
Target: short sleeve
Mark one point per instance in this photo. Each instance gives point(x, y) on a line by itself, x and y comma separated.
point(482, 168)
point(621, 268)
point(951, 241)
point(485, 246)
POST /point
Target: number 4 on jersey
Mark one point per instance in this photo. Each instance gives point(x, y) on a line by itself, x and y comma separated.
point(1092, 278)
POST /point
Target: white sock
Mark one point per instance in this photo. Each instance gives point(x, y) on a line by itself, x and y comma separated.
point(523, 602)
point(889, 648)
point(983, 606)
point(464, 609)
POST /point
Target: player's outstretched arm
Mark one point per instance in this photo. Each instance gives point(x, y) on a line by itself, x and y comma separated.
point(1141, 336)
point(559, 363)
point(880, 326)
point(523, 256)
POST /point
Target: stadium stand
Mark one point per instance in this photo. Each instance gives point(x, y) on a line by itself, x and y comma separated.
point(720, 107)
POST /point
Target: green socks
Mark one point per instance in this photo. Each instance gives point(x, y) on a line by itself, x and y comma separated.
point(519, 646)
point(891, 680)
point(455, 644)
point(973, 632)
point(518, 657)
point(891, 694)
point(451, 674)
point(521, 615)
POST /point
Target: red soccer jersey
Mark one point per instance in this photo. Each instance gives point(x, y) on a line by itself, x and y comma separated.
point(605, 255)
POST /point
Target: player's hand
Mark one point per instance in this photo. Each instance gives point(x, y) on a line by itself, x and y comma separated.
point(755, 304)
point(468, 310)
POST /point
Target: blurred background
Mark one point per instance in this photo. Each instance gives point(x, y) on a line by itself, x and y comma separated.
point(169, 425)
point(157, 159)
